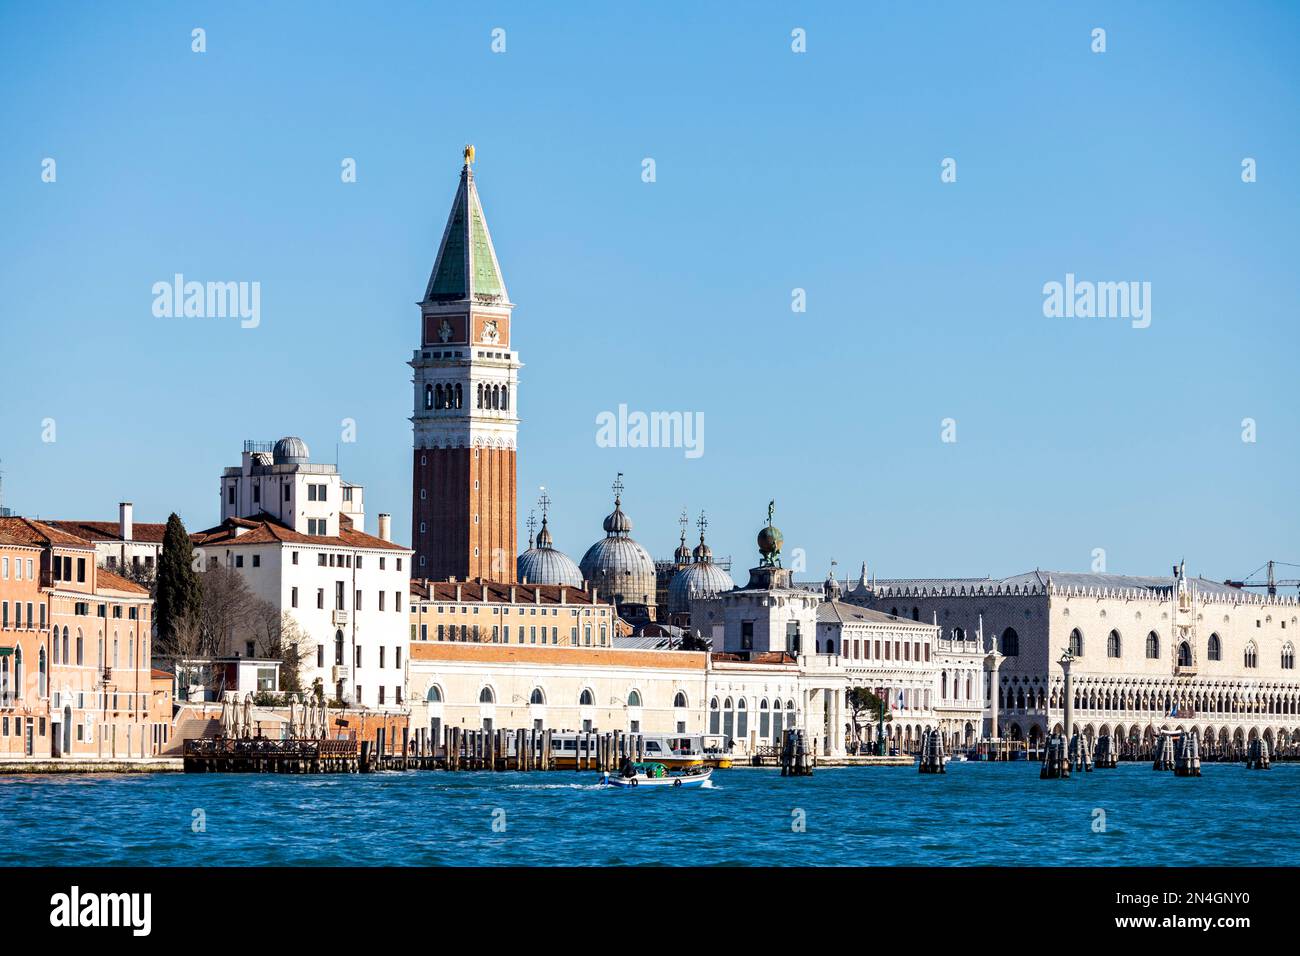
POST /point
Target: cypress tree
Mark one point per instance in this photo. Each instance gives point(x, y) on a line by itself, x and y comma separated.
point(178, 584)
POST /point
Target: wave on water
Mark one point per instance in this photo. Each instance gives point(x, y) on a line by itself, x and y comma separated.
point(555, 786)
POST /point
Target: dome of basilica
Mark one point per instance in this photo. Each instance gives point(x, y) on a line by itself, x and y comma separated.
point(620, 569)
point(543, 564)
point(703, 579)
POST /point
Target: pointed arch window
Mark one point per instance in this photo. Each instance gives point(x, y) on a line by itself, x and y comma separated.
point(428, 396)
point(538, 697)
point(1076, 643)
point(1288, 657)
point(1113, 646)
point(458, 395)
point(1184, 654)
point(485, 696)
point(1251, 656)
point(505, 398)
point(586, 699)
point(1153, 645)
point(1010, 643)
point(42, 674)
point(1214, 648)
point(479, 399)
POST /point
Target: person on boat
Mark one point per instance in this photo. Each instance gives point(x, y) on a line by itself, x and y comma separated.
point(629, 769)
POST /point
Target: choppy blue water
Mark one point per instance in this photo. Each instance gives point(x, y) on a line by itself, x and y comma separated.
point(995, 814)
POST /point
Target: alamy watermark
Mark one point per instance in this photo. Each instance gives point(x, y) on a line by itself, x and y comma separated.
point(1084, 299)
point(624, 429)
point(208, 300)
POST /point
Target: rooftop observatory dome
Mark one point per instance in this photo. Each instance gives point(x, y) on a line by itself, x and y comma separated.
point(290, 451)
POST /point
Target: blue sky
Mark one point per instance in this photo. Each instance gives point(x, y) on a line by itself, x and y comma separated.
point(775, 171)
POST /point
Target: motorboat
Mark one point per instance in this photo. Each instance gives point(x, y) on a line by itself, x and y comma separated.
point(657, 775)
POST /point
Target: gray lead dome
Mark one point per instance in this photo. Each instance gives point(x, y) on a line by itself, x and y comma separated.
point(620, 569)
point(291, 451)
point(543, 564)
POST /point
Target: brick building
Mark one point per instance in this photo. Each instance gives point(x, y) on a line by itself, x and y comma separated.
point(463, 519)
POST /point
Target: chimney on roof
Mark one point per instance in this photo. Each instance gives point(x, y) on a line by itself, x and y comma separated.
point(385, 527)
point(125, 520)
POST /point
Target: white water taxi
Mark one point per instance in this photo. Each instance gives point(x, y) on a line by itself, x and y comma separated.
point(657, 775)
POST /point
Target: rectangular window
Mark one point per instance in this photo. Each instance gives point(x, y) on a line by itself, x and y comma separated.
point(293, 597)
point(381, 600)
point(338, 596)
point(320, 655)
point(81, 570)
point(257, 560)
point(746, 635)
point(397, 659)
point(294, 557)
point(357, 597)
point(397, 602)
point(320, 599)
point(381, 695)
point(358, 662)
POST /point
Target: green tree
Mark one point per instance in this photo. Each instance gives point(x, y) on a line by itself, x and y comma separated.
point(863, 701)
point(178, 594)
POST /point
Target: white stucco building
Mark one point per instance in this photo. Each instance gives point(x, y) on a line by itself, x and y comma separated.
point(293, 530)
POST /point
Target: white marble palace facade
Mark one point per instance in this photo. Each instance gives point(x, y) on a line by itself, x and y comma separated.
point(1150, 652)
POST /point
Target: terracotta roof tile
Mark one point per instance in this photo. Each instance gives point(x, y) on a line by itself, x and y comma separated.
point(496, 593)
point(115, 582)
point(143, 532)
point(267, 530)
point(31, 531)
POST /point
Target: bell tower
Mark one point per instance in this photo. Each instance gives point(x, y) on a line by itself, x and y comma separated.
point(466, 406)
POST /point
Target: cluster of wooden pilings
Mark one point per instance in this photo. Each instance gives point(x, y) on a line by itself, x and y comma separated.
point(1106, 753)
point(532, 749)
point(1257, 756)
point(262, 755)
point(1164, 757)
point(1056, 759)
point(1187, 756)
point(933, 757)
point(1080, 758)
point(796, 758)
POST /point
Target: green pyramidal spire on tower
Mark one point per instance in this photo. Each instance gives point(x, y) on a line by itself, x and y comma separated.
point(466, 267)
